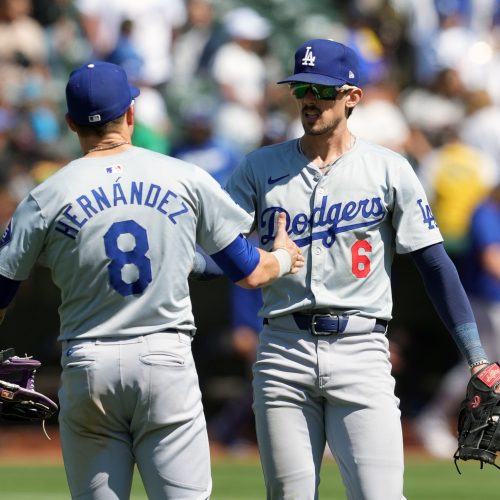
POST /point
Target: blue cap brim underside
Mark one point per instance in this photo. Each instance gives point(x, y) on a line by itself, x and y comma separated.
point(313, 78)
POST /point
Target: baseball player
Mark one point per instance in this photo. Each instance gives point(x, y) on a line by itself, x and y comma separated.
point(118, 229)
point(323, 373)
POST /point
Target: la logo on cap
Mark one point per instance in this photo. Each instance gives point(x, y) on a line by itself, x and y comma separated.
point(309, 59)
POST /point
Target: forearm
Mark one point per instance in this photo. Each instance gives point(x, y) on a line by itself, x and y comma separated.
point(271, 266)
point(446, 292)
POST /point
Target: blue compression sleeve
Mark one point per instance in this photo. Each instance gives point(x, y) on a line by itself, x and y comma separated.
point(238, 260)
point(8, 289)
point(444, 288)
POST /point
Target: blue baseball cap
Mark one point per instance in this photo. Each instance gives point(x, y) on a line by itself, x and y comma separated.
point(98, 92)
point(325, 62)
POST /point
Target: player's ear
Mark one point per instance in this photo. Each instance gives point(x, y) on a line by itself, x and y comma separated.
point(353, 97)
point(70, 122)
point(130, 114)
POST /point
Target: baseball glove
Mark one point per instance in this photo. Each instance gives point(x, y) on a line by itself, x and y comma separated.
point(18, 398)
point(479, 418)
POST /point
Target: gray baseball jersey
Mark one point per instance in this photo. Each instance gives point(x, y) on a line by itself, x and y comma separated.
point(119, 238)
point(369, 205)
point(309, 389)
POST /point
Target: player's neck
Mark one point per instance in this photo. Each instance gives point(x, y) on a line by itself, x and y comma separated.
point(323, 153)
point(105, 146)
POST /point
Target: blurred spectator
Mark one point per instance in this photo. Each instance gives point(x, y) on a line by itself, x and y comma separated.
point(152, 121)
point(197, 42)
point(456, 177)
point(378, 118)
point(240, 74)
point(451, 34)
point(433, 108)
point(125, 53)
point(154, 23)
point(276, 128)
point(202, 147)
point(363, 38)
point(152, 124)
point(481, 279)
point(22, 45)
point(481, 125)
point(22, 36)
point(8, 119)
point(421, 24)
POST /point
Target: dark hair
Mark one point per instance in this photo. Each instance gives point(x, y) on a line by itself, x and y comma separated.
point(100, 130)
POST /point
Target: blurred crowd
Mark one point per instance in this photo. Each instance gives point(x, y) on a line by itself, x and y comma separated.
point(207, 71)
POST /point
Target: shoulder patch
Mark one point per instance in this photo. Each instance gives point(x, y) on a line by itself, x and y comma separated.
point(7, 235)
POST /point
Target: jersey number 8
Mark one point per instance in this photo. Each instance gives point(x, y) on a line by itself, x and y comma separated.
point(121, 258)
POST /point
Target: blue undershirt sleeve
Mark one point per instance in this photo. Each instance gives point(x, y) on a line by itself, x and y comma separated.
point(238, 260)
point(8, 290)
point(204, 268)
point(446, 292)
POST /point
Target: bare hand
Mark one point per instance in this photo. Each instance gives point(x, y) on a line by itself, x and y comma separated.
point(282, 240)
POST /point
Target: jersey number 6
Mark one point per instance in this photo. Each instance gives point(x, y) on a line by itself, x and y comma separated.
point(360, 261)
point(120, 258)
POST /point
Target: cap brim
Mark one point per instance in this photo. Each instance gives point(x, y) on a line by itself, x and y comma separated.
point(313, 78)
point(134, 91)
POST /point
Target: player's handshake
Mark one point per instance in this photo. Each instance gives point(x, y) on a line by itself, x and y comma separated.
point(283, 242)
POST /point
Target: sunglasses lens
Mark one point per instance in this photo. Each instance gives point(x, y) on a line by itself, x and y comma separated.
point(299, 90)
point(324, 92)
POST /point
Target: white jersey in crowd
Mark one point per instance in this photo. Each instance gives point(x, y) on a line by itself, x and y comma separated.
point(367, 206)
point(118, 234)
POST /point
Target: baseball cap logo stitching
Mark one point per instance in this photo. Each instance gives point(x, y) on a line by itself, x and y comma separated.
point(309, 58)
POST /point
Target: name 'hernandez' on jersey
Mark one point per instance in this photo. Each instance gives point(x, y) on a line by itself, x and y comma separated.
point(369, 205)
point(118, 234)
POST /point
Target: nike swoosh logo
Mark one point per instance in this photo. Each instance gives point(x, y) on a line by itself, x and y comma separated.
point(272, 181)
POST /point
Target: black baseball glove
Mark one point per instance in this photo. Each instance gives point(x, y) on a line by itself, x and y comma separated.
point(18, 398)
point(479, 418)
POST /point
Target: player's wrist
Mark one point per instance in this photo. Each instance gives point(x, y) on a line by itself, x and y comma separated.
point(479, 363)
point(284, 260)
point(477, 366)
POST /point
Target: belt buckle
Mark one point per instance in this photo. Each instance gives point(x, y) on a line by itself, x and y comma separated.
point(313, 325)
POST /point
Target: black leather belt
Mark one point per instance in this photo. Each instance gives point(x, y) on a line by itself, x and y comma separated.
point(328, 324)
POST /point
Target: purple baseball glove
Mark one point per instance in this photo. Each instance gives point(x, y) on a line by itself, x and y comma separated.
point(18, 398)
